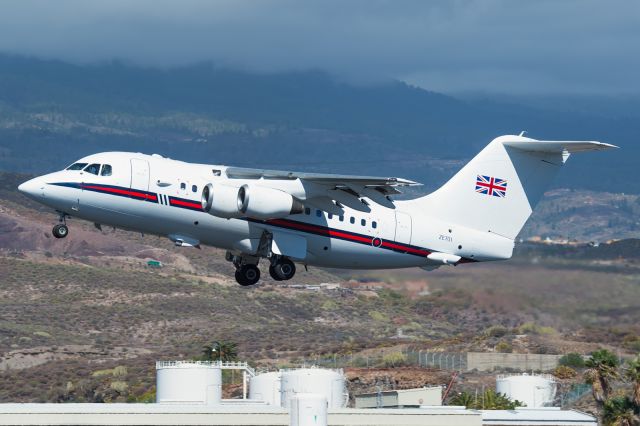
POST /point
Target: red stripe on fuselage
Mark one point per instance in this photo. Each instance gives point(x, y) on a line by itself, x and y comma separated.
point(121, 191)
point(334, 233)
point(173, 201)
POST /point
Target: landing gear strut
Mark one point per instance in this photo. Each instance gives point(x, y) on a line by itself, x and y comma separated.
point(282, 269)
point(61, 230)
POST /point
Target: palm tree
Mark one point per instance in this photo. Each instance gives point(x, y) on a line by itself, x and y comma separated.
point(618, 411)
point(602, 370)
point(632, 373)
point(221, 351)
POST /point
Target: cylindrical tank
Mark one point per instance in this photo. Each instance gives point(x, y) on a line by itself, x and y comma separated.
point(532, 390)
point(329, 383)
point(188, 382)
point(308, 409)
point(266, 387)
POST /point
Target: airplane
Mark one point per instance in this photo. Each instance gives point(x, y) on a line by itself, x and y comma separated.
point(313, 219)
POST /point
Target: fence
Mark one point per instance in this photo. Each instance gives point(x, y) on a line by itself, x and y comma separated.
point(459, 361)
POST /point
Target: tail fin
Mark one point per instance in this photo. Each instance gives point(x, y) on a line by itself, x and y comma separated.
point(497, 190)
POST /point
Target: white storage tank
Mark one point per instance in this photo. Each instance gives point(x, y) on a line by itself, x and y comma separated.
point(329, 383)
point(308, 409)
point(266, 387)
point(532, 390)
point(188, 382)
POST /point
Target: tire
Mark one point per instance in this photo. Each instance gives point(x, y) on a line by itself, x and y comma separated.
point(284, 269)
point(274, 275)
point(247, 275)
point(60, 231)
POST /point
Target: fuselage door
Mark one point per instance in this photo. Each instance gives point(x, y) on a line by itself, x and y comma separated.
point(139, 174)
point(403, 228)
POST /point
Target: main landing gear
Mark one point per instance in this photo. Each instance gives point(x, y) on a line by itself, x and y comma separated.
point(247, 275)
point(282, 269)
point(61, 230)
point(247, 272)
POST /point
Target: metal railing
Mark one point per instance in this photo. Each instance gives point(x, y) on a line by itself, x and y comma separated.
point(226, 365)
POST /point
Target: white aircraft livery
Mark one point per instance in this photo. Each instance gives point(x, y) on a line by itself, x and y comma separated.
point(337, 221)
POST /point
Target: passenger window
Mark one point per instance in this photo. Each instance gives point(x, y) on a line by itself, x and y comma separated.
point(77, 166)
point(318, 213)
point(94, 169)
point(330, 215)
point(183, 185)
point(307, 211)
point(374, 224)
point(363, 222)
point(352, 220)
point(341, 218)
point(106, 170)
point(194, 188)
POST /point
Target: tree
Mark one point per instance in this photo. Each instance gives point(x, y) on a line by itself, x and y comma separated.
point(221, 351)
point(602, 370)
point(489, 400)
point(618, 411)
point(632, 373)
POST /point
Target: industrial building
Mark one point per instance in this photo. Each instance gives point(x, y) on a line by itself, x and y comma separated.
point(190, 393)
point(401, 398)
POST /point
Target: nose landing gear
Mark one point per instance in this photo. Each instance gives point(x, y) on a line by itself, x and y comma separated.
point(61, 230)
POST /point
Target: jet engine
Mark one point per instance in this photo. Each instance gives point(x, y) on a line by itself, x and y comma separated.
point(257, 202)
point(221, 200)
point(260, 202)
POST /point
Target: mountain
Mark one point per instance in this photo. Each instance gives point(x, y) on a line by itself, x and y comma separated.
point(52, 113)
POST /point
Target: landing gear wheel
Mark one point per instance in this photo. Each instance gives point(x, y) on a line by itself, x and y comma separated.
point(273, 273)
point(247, 275)
point(284, 269)
point(60, 231)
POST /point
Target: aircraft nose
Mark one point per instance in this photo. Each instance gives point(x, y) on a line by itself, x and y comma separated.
point(33, 188)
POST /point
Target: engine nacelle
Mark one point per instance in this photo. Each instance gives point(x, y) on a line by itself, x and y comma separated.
point(260, 202)
point(221, 200)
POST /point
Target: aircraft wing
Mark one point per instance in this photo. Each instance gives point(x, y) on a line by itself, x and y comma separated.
point(345, 189)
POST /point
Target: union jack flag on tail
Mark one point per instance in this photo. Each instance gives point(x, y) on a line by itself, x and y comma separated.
point(491, 186)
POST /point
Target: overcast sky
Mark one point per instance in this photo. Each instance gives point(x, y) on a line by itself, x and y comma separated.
point(506, 46)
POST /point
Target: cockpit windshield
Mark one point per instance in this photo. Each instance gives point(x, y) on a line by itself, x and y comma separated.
point(77, 166)
point(94, 169)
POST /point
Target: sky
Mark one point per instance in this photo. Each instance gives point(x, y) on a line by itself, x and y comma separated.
point(451, 46)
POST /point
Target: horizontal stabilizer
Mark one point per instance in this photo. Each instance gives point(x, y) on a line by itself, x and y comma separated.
point(558, 146)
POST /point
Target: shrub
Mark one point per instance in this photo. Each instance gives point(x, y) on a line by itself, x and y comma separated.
point(394, 359)
point(496, 331)
point(504, 347)
point(572, 359)
point(564, 372)
point(119, 386)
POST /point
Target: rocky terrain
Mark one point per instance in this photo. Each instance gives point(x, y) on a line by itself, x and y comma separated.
point(84, 319)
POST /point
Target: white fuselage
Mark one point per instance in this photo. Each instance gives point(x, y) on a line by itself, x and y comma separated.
point(156, 195)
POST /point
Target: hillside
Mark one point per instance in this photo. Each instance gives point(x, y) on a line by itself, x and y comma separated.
point(303, 120)
point(74, 310)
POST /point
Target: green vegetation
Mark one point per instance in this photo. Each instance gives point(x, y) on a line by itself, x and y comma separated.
point(489, 400)
point(221, 351)
point(394, 359)
point(618, 406)
point(573, 360)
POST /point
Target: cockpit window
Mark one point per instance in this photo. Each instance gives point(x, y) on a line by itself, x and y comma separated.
point(106, 170)
point(76, 166)
point(94, 169)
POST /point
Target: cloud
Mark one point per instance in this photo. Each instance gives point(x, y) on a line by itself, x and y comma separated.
point(543, 46)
